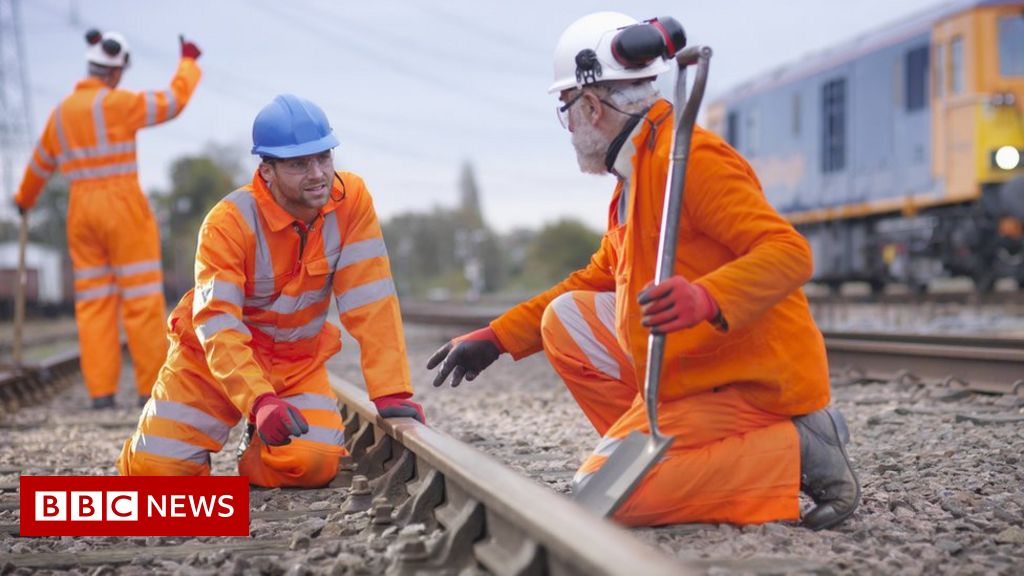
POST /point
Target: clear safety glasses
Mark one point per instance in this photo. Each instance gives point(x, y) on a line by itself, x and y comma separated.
point(563, 110)
point(301, 165)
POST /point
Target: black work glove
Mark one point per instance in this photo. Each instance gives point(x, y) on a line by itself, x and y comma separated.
point(467, 355)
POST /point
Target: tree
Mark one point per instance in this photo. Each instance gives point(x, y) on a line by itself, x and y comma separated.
point(558, 249)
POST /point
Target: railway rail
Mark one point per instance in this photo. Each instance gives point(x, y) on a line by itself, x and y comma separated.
point(440, 504)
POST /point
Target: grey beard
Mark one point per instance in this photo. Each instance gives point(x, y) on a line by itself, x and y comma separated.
point(591, 148)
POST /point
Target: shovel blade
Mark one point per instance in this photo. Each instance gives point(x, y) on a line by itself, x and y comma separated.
point(612, 484)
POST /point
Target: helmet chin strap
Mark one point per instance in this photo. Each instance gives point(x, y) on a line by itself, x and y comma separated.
point(627, 129)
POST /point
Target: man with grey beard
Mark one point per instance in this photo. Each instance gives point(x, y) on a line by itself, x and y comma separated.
point(744, 384)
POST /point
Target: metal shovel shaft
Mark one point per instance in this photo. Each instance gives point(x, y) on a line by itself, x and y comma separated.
point(612, 484)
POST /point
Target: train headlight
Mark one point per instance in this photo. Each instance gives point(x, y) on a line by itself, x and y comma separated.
point(1007, 158)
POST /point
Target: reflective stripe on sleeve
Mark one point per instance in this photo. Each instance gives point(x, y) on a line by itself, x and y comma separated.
point(101, 171)
point(310, 401)
point(189, 415)
point(217, 290)
point(365, 294)
point(172, 103)
point(150, 108)
point(218, 323)
point(360, 251)
point(39, 170)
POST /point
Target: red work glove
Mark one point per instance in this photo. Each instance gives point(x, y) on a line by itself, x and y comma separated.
point(466, 355)
point(189, 49)
point(675, 304)
point(276, 420)
point(399, 406)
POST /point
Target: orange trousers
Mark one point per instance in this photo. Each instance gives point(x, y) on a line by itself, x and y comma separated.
point(189, 416)
point(115, 250)
point(730, 461)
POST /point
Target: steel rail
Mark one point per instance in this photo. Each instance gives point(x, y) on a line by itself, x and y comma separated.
point(526, 528)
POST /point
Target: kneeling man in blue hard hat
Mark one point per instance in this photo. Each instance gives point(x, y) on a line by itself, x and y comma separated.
point(251, 339)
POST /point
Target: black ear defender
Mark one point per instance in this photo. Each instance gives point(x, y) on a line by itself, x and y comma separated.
point(111, 47)
point(93, 36)
point(637, 45)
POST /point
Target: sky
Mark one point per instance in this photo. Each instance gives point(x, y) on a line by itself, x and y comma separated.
point(413, 89)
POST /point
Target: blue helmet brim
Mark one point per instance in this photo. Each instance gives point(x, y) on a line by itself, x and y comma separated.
point(295, 150)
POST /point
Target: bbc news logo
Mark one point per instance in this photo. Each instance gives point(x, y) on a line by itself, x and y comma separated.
point(134, 506)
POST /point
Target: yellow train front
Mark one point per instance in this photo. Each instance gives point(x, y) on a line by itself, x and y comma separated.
point(900, 155)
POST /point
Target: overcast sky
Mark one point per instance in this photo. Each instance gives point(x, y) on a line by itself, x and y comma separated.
point(413, 89)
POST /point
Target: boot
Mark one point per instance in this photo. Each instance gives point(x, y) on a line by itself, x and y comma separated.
point(103, 402)
point(825, 471)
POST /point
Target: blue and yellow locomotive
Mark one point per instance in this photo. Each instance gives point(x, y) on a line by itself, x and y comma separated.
point(900, 155)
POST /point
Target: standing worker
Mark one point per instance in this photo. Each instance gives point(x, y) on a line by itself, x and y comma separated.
point(112, 235)
point(744, 379)
point(251, 339)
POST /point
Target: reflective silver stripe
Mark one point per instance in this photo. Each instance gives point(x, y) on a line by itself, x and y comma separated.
point(100, 172)
point(64, 148)
point(98, 121)
point(190, 415)
point(331, 235)
point(363, 250)
point(569, 314)
point(604, 302)
point(98, 151)
point(579, 480)
point(285, 304)
point(143, 290)
point(263, 271)
point(606, 446)
point(218, 323)
point(217, 290)
point(281, 334)
point(309, 401)
point(137, 267)
point(170, 448)
point(172, 104)
point(94, 293)
point(150, 108)
point(365, 294)
point(95, 272)
point(39, 170)
point(324, 435)
point(44, 154)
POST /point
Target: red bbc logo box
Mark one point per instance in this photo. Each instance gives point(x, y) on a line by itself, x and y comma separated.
point(134, 506)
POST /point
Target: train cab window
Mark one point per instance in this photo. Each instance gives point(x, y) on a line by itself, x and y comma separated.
point(1011, 45)
point(916, 70)
point(833, 141)
point(732, 130)
point(956, 62)
point(939, 71)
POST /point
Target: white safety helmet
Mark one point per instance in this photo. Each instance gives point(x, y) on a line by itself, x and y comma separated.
point(108, 49)
point(595, 32)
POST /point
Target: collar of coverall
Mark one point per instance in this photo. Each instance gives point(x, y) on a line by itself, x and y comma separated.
point(277, 217)
point(90, 82)
point(622, 167)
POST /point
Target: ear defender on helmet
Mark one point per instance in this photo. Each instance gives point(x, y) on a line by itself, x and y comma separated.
point(111, 47)
point(636, 46)
point(93, 37)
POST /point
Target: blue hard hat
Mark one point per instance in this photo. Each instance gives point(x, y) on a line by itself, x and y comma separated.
point(291, 126)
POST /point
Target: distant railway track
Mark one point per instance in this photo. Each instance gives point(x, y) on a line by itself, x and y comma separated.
point(964, 363)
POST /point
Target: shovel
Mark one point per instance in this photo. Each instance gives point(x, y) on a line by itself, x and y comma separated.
point(612, 484)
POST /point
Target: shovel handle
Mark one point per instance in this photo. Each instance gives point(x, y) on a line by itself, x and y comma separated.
point(685, 117)
point(19, 290)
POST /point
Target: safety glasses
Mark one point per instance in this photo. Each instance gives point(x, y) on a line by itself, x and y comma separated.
point(301, 165)
point(563, 110)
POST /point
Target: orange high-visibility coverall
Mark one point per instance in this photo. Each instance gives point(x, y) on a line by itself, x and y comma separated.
point(256, 323)
point(727, 393)
point(112, 235)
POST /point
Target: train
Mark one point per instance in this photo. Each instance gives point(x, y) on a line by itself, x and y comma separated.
point(899, 154)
